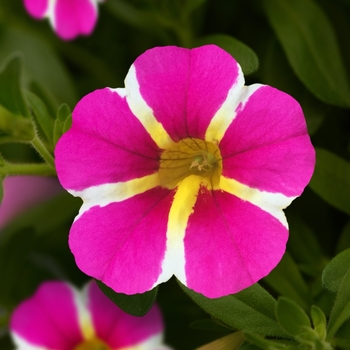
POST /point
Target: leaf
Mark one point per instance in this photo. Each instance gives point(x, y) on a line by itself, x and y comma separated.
point(291, 317)
point(229, 342)
point(209, 324)
point(243, 54)
point(331, 179)
point(190, 6)
point(251, 309)
point(334, 272)
point(309, 42)
point(286, 279)
point(304, 246)
point(62, 123)
point(263, 343)
point(344, 239)
point(136, 304)
point(341, 308)
point(276, 71)
point(41, 63)
point(41, 116)
point(319, 321)
point(11, 96)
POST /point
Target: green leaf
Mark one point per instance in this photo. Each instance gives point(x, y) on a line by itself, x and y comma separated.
point(136, 304)
point(304, 246)
point(309, 42)
point(191, 5)
point(341, 308)
point(41, 63)
point(344, 239)
point(291, 317)
point(11, 96)
point(334, 272)
point(243, 54)
point(251, 309)
point(209, 324)
point(229, 342)
point(331, 179)
point(62, 123)
point(263, 343)
point(319, 321)
point(276, 71)
point(41, 116)
point(286, 279)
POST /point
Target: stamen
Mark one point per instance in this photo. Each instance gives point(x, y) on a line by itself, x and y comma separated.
point(190, 157)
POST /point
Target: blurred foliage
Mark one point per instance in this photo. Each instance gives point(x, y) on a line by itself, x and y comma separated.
point(298, 46)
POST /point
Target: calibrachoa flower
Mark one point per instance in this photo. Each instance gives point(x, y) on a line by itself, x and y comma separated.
point(59, 317)
point(184, 172)
point(23, 192)
point(69, 18)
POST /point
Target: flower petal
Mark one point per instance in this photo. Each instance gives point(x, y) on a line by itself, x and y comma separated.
point(230, 244)
point(49, 318)
point(98, 148)
point(117, 328)
point(267, 146)
point(36, 8)
point(184, 88)
point(74, 17)
point(123, 244)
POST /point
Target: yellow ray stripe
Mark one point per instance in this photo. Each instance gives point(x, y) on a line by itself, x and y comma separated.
point(84, 317)
point(272, 203)
point(105, 194)
point(238, 94)
point(143, 112)
point(180, 211)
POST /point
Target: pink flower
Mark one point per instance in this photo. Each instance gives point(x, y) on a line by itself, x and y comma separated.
point(60, 317)
point(184, 172)
point(69, 18)
point(23, 192)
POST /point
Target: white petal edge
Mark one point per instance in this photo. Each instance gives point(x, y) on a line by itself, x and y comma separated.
point(272, 203)
point(144, 112)
point(102, 195)
point(236, 99)
point(153, 343)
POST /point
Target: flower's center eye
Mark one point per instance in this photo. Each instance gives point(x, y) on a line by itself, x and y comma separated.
point(92, 344)
point(190, 157)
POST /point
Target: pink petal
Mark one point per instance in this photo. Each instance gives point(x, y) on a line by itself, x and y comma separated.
point(117, 328)
point(230, 244)
point(123, 244)
point(185, 87)
point(48, 318)
point(106, 144)
point(267, 146)
point(74, 17)
point(36, 8)
point(23, 192)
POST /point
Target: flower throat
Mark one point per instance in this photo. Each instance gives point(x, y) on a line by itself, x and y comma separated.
point(190, 157)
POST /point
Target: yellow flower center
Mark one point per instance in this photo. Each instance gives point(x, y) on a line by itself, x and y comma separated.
point(92, 344)
point(190, 157)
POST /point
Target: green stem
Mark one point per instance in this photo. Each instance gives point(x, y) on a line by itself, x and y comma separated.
point(40, 169)
point(44, 153)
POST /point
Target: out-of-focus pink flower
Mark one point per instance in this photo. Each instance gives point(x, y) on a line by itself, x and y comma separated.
point(69, 18)
point(60, 317)
point(23, 192)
